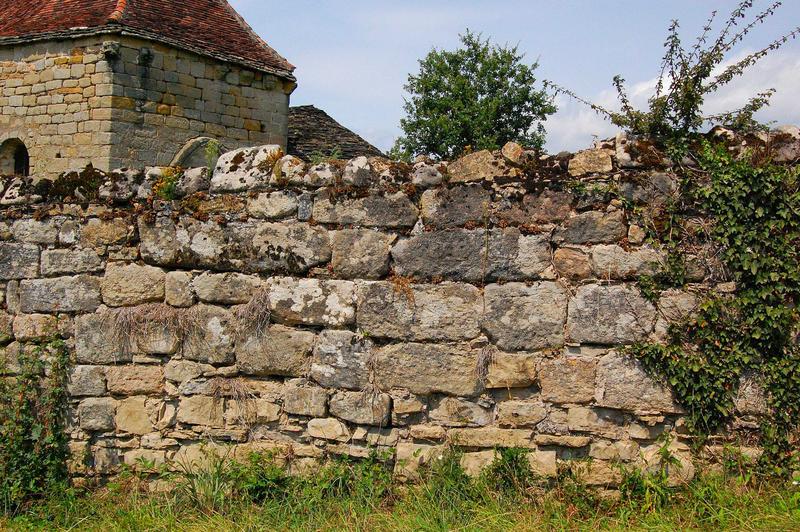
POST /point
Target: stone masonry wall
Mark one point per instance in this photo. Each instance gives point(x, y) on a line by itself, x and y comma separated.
point(335, 308)
point(116, 101)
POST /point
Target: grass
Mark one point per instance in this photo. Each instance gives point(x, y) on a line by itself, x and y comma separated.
point(344, 495)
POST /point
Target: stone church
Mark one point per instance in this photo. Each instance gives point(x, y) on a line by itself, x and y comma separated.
point(133, 83)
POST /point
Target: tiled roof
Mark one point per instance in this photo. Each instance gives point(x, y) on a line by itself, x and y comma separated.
point(209, 27)
point(312, 131)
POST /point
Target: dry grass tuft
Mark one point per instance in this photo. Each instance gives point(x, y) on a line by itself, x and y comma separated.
point(255, 316)
point(143, 321)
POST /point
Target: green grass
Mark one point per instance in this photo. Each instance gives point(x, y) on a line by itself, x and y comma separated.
point(260, 495)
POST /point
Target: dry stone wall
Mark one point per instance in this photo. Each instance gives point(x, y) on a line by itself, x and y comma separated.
point(331, 309)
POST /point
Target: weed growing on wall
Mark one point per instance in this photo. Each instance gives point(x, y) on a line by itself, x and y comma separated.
point(755, 207)
point(33, 412)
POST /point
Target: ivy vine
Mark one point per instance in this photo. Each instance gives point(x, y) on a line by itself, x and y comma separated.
point(33, 415)
point(755, 209)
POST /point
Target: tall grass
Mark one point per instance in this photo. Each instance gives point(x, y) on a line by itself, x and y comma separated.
point(260, 494)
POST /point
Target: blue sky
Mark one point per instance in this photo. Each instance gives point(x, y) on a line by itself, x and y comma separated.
point(353, 57)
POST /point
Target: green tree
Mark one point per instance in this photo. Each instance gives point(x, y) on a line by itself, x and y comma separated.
point(481, 95)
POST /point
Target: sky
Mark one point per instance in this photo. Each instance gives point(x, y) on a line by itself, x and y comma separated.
point(353, 57)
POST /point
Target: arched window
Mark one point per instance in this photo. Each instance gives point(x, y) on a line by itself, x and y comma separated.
point(14, 158)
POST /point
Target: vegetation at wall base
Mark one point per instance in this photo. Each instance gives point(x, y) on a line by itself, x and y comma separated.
point(479, 96)
point(259, 494)
point(33, 413)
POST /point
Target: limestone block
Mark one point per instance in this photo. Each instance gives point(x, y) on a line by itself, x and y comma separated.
point(304, 400)
point(428, 368)
point(178, 289)
point(448, 311)
point(593, 227)
point(34, 327)
point(319, 175)
point(328, 429)
point(97, 233)
point(95, 341)
point(358, 172)
point(543, 463)
point(360, 253)
point(512, 370)
point(60, 294)
point(32, 231)
point(193, 180)
point(278, 351)
point(622, 383)
point(390, 210)
point(456, 412)
point(131, 284)
point(573, 264)
point(201, 410)
point(250, 411)
point(288, 169)
point(520, 317)
point(601, 421)
point(596, 161)
point(225, 288)
point(473, 464)
point(609, 315)
point(273, 205)
point(426, 175)
point(455, 207)
point(289, 247)
point(70, 261)
point(212, 340)
point(182, 371)
point(521, 413)
point(410, 457)
point(551, 440)
point(568, 379)
point(479, 166)
point(491, 437)
point(545, 207)
point(312, 301)
point(244, 169)
point(18, 261)
point(341, 360)
point(135, 380)
point(362, 408)
point(132, 416)
point(613, 262)
point(97, 414)
point(87, 381)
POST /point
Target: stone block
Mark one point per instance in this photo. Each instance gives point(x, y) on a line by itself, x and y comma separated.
point(546, 207)
point(593, 227)
point(568, 379)
point(96, 342)
point(289, 247)
point(390, 210)
point(18, 261)
point(304, 400)
point(410, 457)
point(520, 317)
point(97, 414)
point(444, 312)
point(473, 464)
point(70, 261)
point(34, 327)
point(60, 294)
point(212, 340)
point(244, 169)
point(135, 380)
point(609, 315)
point(87, 381)
point(512, 370)
point(456, 412)
point(490, 437)
point(273, 205)
point(312, 301)
point(428, 368)
point(521, 413)
point(362, 408)
point(479, 166)
point(278, 351)
point(30, 231)
point(178, 289)
point(622, 383)
point(543, 463)
point(201, 410)
point(98, 233)
point(573, 264)
point(444, 208)
point(328, 429)
point(360, 253)
point(613, 262)
point(225, 288)
point(601, 421)
point(597, 161)
point(131, 284)
point(250, 411)
point(342, 360)
point(132, 416)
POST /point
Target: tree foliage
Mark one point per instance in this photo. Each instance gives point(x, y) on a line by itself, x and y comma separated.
point(689, 75)
point(480, 96)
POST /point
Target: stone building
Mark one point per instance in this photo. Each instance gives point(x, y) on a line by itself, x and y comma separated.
point(120, 83)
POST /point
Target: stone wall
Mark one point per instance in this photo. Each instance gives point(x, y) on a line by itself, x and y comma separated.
point(117, 101)
point(331, 309)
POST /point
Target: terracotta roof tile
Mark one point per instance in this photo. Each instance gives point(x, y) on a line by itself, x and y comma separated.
point(209, 27)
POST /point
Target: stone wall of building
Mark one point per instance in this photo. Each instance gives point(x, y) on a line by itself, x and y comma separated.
point(345, 306)
point(116, 101)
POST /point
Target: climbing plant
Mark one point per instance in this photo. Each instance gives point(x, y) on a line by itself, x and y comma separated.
point(33, 413)
point(755, 209)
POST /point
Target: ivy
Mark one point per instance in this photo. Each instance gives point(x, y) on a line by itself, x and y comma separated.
point(755, 208)
point(33, 414)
